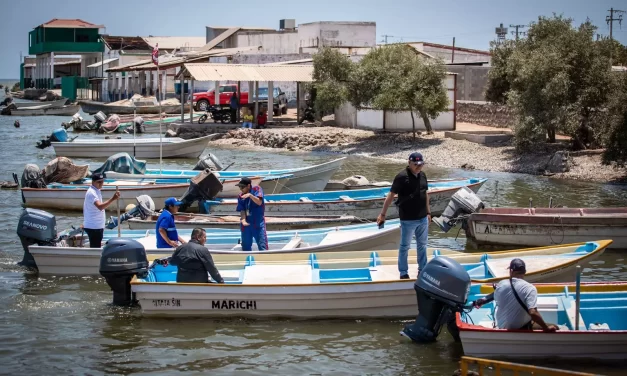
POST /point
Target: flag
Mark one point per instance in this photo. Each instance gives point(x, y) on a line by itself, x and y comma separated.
point(155, 55)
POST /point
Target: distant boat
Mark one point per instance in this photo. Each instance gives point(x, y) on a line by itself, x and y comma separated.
point(46, 110)
point(602, 319)
point(173, 147)
point(547, 226)
point(92, 107)
point(24, 105)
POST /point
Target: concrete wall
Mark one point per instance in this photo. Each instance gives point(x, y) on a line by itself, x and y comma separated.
point(471, 81)
point(272, 42)
point(336, 34)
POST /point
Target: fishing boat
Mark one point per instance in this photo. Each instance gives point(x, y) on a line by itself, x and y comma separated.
point(597, 331)
point(190, 221)
point(92, 107)
point(46, 110)
point(329, 285)
point(172, 147)
point(545, 226)
point(362, 203)
point(23, 105)
point(86, 261)
point(303, 179)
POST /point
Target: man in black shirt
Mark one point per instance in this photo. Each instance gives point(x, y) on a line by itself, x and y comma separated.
point(414, 211)
point(194, 260)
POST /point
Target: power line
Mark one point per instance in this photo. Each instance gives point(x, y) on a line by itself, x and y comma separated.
point(518, 32)
point(610, 19)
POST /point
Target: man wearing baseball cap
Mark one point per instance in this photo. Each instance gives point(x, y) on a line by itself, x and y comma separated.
point(517, 302)
point(413, 209)
point(94, 210)
point(251, 206)
point(167, 236)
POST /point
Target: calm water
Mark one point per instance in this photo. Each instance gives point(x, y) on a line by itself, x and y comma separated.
point(65, 325)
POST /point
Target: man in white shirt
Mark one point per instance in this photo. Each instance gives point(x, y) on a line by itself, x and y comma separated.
point(94, 210)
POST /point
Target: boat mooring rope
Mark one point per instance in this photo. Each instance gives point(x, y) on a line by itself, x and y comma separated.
point(551, 230)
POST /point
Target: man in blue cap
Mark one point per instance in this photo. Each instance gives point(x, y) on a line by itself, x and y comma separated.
point(414, 211)
point(253, 222)
point(167, 236)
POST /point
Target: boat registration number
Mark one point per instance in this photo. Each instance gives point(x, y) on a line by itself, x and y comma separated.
point(167, 302)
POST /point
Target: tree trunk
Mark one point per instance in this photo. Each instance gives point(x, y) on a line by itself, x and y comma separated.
point(551, 133)
point(427, 121)
point(413, 123)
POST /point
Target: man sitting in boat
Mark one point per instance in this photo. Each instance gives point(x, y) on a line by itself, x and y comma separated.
point(167, 236)
point(194, 261)
point(253, 223)
point(516, 302)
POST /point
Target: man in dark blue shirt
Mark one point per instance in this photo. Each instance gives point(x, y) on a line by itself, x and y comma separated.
point(251, 206)
point(167, 236)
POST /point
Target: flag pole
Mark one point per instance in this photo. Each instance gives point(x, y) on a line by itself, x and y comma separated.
point(160, 132)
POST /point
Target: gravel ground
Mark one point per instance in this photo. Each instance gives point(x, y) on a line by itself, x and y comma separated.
point(436, 149)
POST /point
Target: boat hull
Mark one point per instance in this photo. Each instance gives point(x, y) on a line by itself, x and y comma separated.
point(149, 150)
point(25, 105)
point(233, 222)
point(312, 179)
point(47, 111)
point(92, 107)
point(539, 228)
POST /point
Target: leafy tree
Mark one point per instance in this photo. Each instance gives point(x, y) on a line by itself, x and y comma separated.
point(498, 79)
point(395, 78)
point(331, 73)
point(616, 134)
point(558, 79)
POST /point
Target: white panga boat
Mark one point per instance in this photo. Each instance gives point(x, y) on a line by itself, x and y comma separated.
point(362, 203)
point(545, 226)
point(46, 110)
point(328, 285)
point(304, 179)
point(173, 147)
point(601, 334)
point(190, 221)
point(24, 105)
point(63, 260)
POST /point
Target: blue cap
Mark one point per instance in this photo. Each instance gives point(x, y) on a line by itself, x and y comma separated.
point(172, 202)
point(416, 158)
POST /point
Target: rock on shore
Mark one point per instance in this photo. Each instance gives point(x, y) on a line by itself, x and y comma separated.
point(437, 150)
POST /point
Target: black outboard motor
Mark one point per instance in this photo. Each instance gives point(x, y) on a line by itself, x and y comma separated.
point(463, 203)
point(35, 227)
point(204, 186)
point(121, 260)
point(442, 289)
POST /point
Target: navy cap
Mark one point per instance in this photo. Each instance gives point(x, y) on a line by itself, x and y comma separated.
point(517, 265)
point(416, 158)
point(244, 182)
point(171, 201)
point(97, 176)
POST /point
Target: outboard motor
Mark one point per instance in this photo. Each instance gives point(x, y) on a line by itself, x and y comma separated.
point(138, 123)
point(121, 260)
point(33, 177)
point(99, 118)
point(35, 227)
point(145, 207)
point(204, 186)
point(58, 135)
point(210, 162)
point(463, 203)
point(442, 289)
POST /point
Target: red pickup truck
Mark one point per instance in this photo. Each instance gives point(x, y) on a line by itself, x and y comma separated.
point(203, 100)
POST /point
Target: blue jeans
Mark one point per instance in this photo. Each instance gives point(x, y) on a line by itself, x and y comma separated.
point(419, 228)
point(247, 124)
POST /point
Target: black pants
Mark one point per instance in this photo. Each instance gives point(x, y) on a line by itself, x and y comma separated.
point(233, 115)
point(95, 237)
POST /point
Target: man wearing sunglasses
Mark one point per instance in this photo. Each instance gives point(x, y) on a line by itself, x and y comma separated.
point(414, 211)
point(252, 222)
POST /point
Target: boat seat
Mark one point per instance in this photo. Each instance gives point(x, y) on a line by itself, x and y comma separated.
point(305, 199)
point(295, 242)
point(570, 307)
point(347, 198)
point(277, 274)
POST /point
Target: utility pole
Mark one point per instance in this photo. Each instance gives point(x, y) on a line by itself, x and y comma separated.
point(385, 38)
point(453, 54)
point(610, 19)
point(518, 32)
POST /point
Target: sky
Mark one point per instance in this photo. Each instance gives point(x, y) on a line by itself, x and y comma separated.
point(472, 23)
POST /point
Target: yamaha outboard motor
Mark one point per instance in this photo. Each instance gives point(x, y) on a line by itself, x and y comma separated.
point(204, 186)
point(121, 260)
point(442, 289)
point(463, 203)
point(145, 207)
point(35, 227)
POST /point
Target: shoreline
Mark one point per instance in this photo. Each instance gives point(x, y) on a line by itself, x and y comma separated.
point(437, 151)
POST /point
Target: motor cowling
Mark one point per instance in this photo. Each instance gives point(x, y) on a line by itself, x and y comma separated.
point(204, 186)
point(145, 207)
point(441, 289)
point(35, 227)
point(462, 203)
point(121, 260)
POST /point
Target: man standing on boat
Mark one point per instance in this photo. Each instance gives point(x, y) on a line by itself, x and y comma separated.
point(517, 302)
point(94, 210)
point(252, 221)
point(167, 236)
point(194, 261)
point(414, 211)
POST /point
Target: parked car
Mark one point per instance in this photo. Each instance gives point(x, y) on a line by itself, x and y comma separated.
point(203, 100)
point(280, 99)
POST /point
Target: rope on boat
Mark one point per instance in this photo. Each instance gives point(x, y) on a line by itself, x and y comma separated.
point(563, 231)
